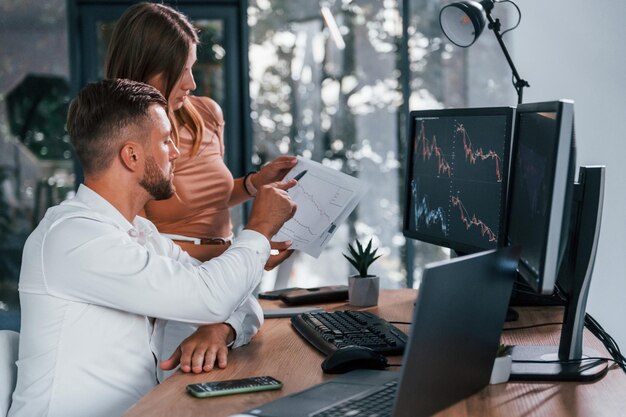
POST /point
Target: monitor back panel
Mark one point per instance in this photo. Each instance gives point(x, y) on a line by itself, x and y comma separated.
point(457, 323)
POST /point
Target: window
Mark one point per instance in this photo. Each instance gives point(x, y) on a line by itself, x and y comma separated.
point(35, 155)
point(325, 83)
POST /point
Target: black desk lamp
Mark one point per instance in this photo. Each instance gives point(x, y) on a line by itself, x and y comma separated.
point(462, 22)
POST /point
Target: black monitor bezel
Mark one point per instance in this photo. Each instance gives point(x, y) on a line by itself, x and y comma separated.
point(555, 238)
point(460, 247)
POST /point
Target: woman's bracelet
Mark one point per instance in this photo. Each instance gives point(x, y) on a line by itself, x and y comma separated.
point(247, 184)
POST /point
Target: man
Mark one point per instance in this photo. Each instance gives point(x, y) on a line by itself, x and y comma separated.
point(98, 281)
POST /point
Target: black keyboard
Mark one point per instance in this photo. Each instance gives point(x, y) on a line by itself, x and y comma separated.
point(378, 403)
point(329, 331)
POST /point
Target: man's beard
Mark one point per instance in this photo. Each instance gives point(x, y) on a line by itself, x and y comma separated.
point(155, 182)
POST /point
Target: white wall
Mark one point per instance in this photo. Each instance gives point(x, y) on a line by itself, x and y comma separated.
point(576, 49)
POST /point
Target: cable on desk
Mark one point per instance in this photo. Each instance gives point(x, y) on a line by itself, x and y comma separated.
point(565, 361)
point(532, 326)
point(596, 329)
point(609, 343)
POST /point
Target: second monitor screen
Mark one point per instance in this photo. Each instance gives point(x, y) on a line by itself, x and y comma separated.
point(457, 176)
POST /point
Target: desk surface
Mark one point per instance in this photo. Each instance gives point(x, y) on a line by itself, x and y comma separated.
point(278, 351)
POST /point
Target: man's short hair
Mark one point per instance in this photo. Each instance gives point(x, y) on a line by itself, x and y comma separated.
point(107, 113)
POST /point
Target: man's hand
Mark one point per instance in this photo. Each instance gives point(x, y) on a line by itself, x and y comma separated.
point(272, 207)
point(200, 351)
point(280, 252)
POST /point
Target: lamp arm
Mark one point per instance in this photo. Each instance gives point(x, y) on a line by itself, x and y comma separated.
point(519, 83)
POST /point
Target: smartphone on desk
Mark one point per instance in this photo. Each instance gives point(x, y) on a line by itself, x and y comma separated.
point(234, 386)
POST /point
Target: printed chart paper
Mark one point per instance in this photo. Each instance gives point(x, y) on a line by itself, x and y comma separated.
point(325, 198)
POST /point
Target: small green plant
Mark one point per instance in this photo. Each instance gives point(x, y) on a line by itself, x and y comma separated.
point(361, 258)
point(504, 350)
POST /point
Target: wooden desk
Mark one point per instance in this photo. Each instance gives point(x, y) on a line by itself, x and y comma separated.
point(278, 351)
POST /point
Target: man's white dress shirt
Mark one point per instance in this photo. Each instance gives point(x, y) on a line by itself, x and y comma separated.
point(95, 294)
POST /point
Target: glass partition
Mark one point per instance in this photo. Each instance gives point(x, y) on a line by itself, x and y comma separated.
point(35, 155)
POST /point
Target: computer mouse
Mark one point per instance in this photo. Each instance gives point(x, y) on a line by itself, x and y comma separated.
point(349, 358)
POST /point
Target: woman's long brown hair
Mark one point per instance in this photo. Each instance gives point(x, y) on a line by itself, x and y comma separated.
point(151, 39)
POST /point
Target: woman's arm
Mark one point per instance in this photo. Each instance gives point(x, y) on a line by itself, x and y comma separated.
point(239, 194)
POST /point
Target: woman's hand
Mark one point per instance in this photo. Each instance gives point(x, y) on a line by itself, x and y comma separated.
point(274, 171)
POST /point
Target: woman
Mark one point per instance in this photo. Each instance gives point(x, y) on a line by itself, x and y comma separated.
point(155, 44)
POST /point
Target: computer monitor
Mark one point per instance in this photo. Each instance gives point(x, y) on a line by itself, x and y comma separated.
point(556, 223)
point(458, 161)
point(542, 179)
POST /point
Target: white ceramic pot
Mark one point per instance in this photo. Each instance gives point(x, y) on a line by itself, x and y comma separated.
point(363, 291)
point(501, 369)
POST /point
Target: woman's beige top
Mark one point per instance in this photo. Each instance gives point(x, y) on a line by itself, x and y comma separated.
point(199, 208)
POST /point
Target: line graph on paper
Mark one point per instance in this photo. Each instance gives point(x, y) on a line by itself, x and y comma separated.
point(319, 203)
point(325, 197)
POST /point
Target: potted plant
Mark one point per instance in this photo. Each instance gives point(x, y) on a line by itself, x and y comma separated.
point(502, 365)
point(363, 288)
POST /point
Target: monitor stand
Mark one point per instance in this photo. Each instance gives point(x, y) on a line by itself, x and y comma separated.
point(573, 283)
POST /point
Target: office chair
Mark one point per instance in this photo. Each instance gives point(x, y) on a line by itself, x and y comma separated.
point(9, 341)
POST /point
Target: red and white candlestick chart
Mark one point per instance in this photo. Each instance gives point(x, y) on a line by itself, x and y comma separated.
point(430, 148)
point(427, 148)
point(473, 221)
point(472, 155)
